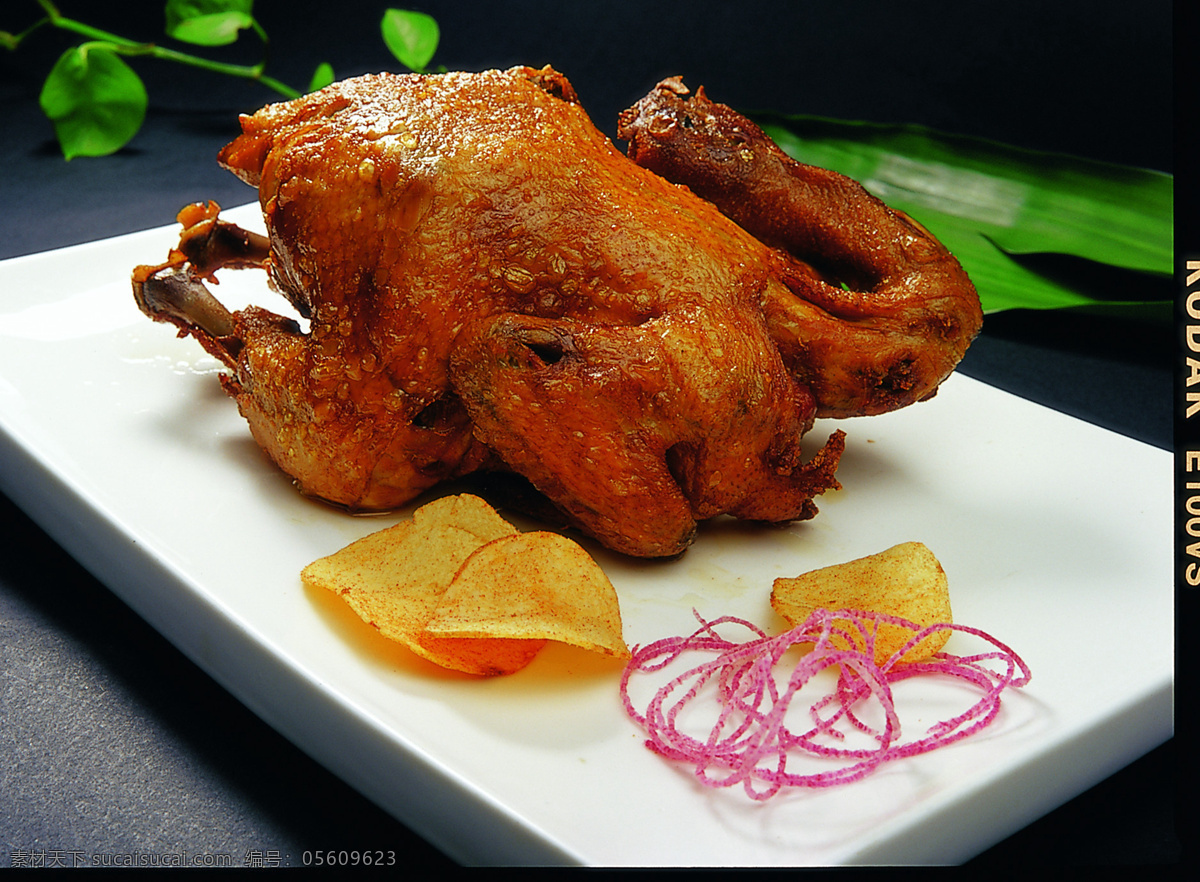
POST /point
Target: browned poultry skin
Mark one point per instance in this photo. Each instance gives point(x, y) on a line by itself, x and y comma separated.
point(877, 314)
point(492, 285)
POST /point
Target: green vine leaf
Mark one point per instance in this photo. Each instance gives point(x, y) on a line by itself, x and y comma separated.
point(208, 22)
point(410, 36)
point(1034, 230)
point(321, 77)
point(95, 101)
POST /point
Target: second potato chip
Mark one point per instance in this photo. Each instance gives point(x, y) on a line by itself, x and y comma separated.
point(905, 581)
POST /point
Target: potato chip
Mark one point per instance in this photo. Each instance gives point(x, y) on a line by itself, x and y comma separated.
point(395, 578)
point(533, 585)
point(905, 581)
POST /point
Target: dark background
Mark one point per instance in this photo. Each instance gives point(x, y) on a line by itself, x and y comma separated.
point(112, 741)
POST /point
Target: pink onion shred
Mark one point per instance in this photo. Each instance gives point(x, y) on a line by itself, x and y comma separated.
point(751, 742)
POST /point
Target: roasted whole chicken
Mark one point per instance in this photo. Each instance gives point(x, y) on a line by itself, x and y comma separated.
point(491, 286)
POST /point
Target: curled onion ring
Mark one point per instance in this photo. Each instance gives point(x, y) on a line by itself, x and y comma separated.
point(751, 741)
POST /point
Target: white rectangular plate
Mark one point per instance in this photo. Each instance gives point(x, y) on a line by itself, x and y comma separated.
point(1055, 535)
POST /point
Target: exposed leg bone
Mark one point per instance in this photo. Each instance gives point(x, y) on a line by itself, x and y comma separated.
point(176, 295)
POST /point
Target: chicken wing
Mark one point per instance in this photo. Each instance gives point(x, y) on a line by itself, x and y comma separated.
point(878, 312)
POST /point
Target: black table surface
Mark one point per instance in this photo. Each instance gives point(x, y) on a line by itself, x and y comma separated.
point(112, 742)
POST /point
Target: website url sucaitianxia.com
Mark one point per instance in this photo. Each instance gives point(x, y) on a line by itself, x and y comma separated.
point(73, 857)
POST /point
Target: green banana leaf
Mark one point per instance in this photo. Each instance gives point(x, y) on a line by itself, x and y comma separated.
point(1033, 230)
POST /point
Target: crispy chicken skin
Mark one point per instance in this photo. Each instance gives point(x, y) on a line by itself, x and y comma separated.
point(492, 285)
